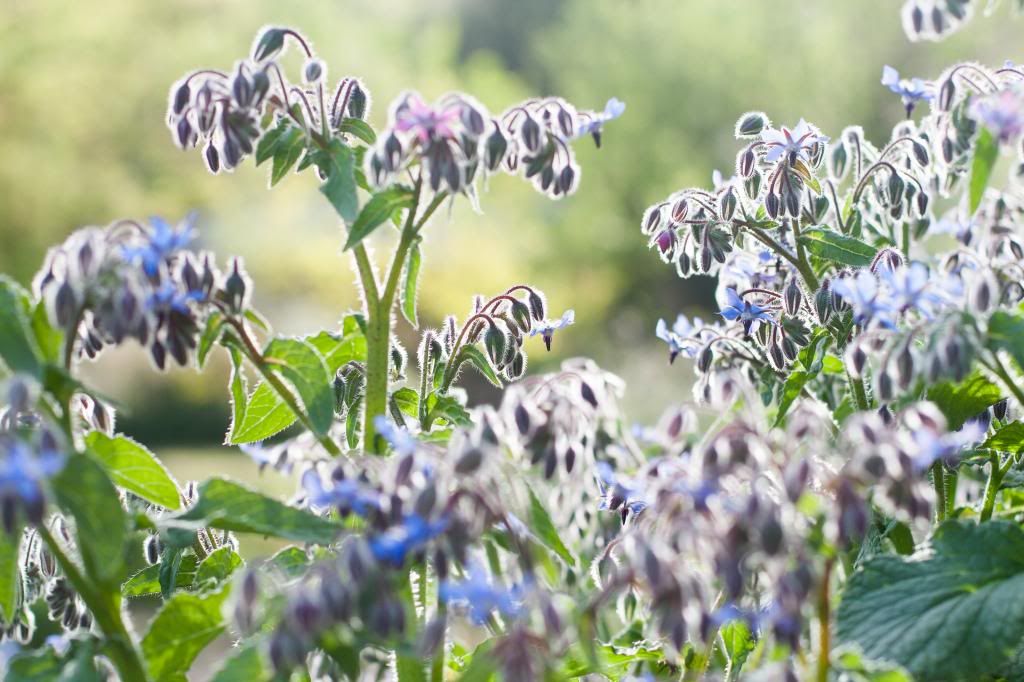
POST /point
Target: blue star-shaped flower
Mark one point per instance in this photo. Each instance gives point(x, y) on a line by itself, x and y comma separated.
point(162, 241)
point(911, 91)
point(745, 311)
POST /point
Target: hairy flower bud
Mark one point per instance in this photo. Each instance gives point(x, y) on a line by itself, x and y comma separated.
point(751, 124)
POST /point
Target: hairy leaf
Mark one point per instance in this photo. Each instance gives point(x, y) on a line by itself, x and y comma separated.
point(147, 581)
point(986, 152)
point(340, 188)
point(544, 529)
point(952, 611)
point(10, 575)
point(377, 211)
point(134, 468)
point(960, 402)
point(837, 247)
point(183, 627)
point(231, 506)
point(412, 274)
point(18, 350)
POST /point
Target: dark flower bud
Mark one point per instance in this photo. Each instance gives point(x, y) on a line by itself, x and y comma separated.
point(313, 71)
point(727, 204)
point(472, 119)
point(269, 44)
point(285, 651)
point(232, 152)
point(550, 463)
point(566, 180)
point(65, 305)
point(922, 203)
point(837, 161)
point(745, 165)
point(653, 217)
point(522, 417)
point(904, 367)
point(920, 153)
point(537, 308)
point(494, 152)
point(235, 287)
point(792, 297)
point(856, 359)
point(569, 459)
point(358, 101)
point(792, 204)
point(705, 358)
point(947, 149)
point(751, 124)
point(469, 461)
point(494, 343)
point(516, 367)
point(587, 393)
point(529, 133)
point(895, 188)
point(885, 387)
point(946, 94)
point(679, 210)
point(181, 98)
point(752, 185)
point(772, 204)
point(241, 89)
point(212, 158)
point(151, 549)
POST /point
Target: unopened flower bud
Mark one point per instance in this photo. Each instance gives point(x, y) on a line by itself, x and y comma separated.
point(946, 94)
point(313, 71)
point(751, 124)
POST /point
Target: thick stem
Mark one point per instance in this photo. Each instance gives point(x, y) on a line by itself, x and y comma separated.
point(939, 482)
point(121, 648)
point(860, 395)
point(824, 624)
point(995, 479)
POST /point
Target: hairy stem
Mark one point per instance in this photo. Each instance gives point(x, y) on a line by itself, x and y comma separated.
point(824, 624)
point(995, 479)
point(939, 482)
point(997, 367)
point(104, 608)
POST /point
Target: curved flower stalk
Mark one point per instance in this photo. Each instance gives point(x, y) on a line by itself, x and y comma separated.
point(427, 154)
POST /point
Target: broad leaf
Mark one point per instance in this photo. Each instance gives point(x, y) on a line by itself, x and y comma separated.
point(359, 128)
point(986, 152)
point(1006, 332)
point(134, 468)
point(230, 506)
point(408, 401)
point(739, 642)
point(286, 152)
point(960, 402)
point(245, 665)
point(544, 529)
point(304, 368)
point(377, 211)
point(211, 333)
point(268, 144)
point(147, 581)
point(1009, 438)
point(18, 350)
point(409, 669)
point(85, 493)
point(292, 562)
point(953, 611)
point(183, 627)
point(837, 247)
point(220, 564)
point(49, 340)
point(477, 358)
point(46, 665)
point(340, 189)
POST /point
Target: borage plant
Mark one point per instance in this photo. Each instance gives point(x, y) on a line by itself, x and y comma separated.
point(853, 511)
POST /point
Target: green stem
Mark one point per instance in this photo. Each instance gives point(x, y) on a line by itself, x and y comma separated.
point(995, 480)
point(437, 665)
point(256, 358)
point(860, 395)
point(997, 368)
point(939, 482)
point(378, 338)
point(120, 646)
point(803, 265)
point(952, 479)
point(824, 624)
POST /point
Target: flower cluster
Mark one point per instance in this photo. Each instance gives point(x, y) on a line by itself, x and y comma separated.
point(135, 281)
point(455, 138)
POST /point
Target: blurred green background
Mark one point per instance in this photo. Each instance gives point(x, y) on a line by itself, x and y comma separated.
point(83, 90)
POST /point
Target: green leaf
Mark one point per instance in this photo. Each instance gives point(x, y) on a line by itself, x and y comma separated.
point(304, 368)
point(986, 152)
point(953, 611)
point(544, 529)
point(359, 128)
point(84, 491)
point(147, 581)
point(220, 563)
point(448, 408)
point(477, 358)
point(960, 402)
point(244, 666)
point(377, 211)
point(49, 340)
point(286, 152)
point(45, 665)
point(10, 575)
point(18, 350)
point(1006, 332)
point(211, 333)
point(266, 414)
point(837, 247)
point(268, 144)
point(412, 274)
point(134, 468)
point(183, 627)
point(292, 562)
point(1009, 438)
point(230, 506)
point(738, 643)
point(408, 401)
point(340, 188)
point(410, 669)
